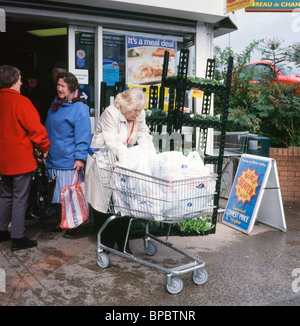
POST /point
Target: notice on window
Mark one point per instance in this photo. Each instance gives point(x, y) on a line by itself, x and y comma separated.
point(111, 71)
point(82, 76)
point(145, 56)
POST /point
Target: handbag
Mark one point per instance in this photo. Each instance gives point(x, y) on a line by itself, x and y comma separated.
point(41, 191)
point(74, 206)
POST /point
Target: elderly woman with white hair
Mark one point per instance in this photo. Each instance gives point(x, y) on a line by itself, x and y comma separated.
point(120, 126)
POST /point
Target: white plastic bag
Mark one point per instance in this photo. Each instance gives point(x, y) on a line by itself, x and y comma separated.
point(175, 166)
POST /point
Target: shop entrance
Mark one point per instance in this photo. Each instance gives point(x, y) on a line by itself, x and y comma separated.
point(35, 47)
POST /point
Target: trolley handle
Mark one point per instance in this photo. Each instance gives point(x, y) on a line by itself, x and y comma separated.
point(92, 151)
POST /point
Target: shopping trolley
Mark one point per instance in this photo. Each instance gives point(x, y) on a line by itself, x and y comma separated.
point(146, 197)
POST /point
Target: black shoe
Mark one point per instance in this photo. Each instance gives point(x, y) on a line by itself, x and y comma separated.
point(70, 233)
point(108, 242)
point(22, 243)
point(4, 236)
point(127, 249)
point(56, 230)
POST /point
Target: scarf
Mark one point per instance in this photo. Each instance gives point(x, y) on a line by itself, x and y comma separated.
point(131, 132)
point(71, 98)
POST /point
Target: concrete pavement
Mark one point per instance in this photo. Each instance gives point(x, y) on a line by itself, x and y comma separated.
point(260, 269)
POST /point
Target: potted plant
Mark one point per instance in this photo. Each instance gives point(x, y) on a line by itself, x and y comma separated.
point(194, 227)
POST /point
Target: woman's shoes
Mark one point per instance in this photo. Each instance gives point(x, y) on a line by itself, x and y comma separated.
point(17, 244)
point(22, 243)
point(4, 236)
point(127, 249)
point(56, 230)
point(70, 233)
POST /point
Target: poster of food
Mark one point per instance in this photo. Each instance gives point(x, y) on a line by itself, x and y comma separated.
point(145, 56)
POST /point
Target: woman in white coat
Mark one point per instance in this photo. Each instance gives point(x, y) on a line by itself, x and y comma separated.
point(120, 126)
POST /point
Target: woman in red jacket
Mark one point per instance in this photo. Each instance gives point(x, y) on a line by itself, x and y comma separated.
point(21, 131)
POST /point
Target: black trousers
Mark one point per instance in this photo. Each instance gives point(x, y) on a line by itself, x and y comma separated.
point(116, 230)
point(14, 201)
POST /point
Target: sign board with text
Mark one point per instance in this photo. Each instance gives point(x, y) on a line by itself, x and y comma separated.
point(274, 5)
point(255, 195)
point(145, 56)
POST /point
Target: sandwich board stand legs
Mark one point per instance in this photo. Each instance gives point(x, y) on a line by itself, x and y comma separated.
point(255, 195)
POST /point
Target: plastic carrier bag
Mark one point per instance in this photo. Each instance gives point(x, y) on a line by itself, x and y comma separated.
point(74, 206)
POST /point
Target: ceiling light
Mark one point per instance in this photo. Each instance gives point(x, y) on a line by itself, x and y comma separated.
point(49, 32)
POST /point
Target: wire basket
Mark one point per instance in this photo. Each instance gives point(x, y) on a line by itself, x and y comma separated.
point(231, 149)
point(144, 196)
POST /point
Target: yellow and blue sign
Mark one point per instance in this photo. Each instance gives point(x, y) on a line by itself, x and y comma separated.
point(255, 194)
point(245, 193)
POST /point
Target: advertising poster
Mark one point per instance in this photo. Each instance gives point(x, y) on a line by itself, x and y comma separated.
point(145, 56)
point(111, 71)
point(246, 193)
point(233, 5)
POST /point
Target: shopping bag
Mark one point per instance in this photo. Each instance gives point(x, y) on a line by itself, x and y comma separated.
point(41, 192)
point(74, 205)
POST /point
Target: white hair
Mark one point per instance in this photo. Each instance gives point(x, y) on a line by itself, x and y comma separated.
point(131, 99)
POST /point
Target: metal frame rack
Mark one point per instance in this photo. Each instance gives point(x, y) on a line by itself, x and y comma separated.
point(176, 118)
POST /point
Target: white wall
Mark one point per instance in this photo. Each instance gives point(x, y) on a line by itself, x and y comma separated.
point(199, 10)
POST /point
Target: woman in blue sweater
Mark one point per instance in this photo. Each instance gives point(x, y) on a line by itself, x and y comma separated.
point(69, 131)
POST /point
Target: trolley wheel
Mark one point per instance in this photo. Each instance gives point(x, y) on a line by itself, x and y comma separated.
point(150, 248)
point(103, 260)
point(200, 276)
point(175, 286)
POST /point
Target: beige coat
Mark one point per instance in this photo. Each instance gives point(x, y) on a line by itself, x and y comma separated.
point(111, 132)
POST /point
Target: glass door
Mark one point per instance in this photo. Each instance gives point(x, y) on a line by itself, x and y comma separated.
point(84, 59)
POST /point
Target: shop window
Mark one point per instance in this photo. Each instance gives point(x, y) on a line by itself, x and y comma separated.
point(84, 66)
point(113, 63)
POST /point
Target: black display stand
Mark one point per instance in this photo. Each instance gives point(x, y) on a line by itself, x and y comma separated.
point(176, 118)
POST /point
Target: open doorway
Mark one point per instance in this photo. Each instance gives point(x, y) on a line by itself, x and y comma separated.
point(35, 47)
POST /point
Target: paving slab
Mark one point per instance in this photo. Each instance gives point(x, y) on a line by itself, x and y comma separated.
point(260, 269)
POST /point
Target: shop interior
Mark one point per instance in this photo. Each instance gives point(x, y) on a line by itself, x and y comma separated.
point(22, 46)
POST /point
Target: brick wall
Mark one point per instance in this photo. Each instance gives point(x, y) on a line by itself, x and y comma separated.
point(288, 167)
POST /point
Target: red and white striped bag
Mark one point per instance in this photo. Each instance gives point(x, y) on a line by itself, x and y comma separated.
point(74, 206)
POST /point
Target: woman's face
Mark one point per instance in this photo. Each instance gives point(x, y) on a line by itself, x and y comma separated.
point(62, 89)
point(132, 115)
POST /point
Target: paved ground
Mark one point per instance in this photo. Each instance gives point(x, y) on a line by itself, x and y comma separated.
point(260, 269)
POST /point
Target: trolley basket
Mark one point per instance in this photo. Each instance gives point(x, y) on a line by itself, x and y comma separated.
point(142, 196)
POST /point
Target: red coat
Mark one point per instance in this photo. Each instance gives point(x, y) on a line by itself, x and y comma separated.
point(20, 131)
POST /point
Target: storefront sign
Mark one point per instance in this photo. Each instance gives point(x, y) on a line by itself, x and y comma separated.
point(274, 5)
point(145, 57)
point(233, 5)
point(255, 195)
